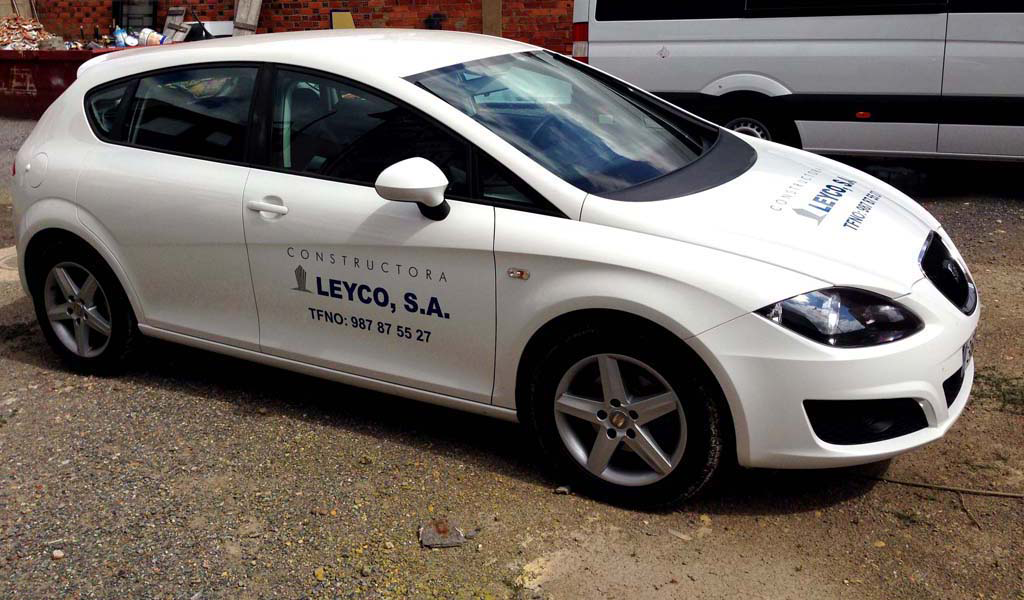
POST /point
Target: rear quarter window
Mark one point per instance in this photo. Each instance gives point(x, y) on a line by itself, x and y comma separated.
point(103, 107)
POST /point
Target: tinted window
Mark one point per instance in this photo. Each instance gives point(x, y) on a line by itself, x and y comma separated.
point(199, 112)
point(841, 7)
point(102, 107)
point(632, 10)
point(986, 6)
point(324, 127)
point(593, 134)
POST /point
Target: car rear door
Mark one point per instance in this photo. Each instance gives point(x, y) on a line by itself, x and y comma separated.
point(983, 84)
point(166, 182)
point(349, 281)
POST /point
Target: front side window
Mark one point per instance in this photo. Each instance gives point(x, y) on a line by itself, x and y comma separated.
point(600, 138)
point(202, 111)
point(324, 127)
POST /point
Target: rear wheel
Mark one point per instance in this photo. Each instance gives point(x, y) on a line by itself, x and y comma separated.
point(626, 416)
point(81, 308)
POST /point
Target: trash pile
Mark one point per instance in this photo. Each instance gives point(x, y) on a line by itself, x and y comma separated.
point(21, 33)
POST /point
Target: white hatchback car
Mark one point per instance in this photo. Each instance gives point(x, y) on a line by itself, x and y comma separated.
point(488, 226)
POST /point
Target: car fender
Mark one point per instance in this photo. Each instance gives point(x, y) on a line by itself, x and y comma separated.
point(746, 82)
point(683, 288)
point(582, 293)
point(56, 213)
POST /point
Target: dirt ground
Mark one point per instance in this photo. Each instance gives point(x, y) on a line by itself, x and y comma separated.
point(195, 476)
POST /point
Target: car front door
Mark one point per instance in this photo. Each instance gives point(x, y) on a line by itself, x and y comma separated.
point(349, 281)
point(166, 183)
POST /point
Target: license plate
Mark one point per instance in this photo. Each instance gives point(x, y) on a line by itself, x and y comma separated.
point(968, 351)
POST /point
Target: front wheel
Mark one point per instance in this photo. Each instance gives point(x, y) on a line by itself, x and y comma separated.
point(626, 416)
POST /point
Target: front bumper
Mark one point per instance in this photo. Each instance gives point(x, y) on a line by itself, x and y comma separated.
point(767, 372)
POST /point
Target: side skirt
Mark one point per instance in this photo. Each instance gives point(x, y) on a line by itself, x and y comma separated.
point(376, 385)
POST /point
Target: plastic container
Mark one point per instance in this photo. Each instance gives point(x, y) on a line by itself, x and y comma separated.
point(148, 37)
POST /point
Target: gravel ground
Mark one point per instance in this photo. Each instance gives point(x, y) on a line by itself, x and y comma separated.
point(198, 476)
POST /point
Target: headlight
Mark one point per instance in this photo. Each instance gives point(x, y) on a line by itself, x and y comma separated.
point(844, 317)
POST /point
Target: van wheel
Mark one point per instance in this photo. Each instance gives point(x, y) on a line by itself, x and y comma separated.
point(765, 128)
point(624, 416)
point(82, 309)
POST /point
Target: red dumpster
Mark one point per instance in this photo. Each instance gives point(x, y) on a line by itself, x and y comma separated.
point(31, 79)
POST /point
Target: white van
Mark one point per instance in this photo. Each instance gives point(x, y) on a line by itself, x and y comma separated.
point(897, 77)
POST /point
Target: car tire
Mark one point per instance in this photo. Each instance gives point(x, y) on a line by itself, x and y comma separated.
point(82, 309)
point(650, 365)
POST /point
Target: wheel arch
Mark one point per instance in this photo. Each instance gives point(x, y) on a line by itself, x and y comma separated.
point(53, 227)
point(573, 320)
point(746, 82)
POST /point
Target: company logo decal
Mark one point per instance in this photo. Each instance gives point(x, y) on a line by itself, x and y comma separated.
point(825, 200)
point(300, 280)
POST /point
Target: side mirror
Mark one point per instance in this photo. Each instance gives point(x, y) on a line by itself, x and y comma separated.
point(416, 180)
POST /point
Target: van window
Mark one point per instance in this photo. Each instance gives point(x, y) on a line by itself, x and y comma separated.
point(202, 112)
point(812, 8)
point(631, 10)
point(102, 106)
point(324, 127)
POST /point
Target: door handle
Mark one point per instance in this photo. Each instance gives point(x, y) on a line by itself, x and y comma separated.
point(267, 207)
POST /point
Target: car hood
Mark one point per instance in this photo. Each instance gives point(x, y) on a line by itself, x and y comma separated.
point(794, 210)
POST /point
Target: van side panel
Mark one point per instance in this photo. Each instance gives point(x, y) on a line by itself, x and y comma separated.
point(818, 58)
point(983, 88)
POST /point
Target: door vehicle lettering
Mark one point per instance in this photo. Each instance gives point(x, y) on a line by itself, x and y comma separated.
point(368, 264)
point(328, 317)
point(362, 293)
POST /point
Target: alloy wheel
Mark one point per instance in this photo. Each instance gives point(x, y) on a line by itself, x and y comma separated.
point(77, 309)
point(620, 420)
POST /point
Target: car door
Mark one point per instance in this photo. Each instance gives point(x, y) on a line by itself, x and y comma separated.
point(983, 82)
point(349, 281)
point(166, 182)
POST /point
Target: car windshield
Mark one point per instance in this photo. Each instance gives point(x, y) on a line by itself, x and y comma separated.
point(596, 134)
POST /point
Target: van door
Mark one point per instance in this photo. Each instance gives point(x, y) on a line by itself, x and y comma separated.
point(855, 76)
point(983, 86)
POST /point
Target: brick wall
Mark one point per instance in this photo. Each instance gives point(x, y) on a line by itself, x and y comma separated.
point(543, 22)
point(64, 17)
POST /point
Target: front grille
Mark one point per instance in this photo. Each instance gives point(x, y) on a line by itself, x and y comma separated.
point(849, 422)
point(947, 274)
point(951, 386)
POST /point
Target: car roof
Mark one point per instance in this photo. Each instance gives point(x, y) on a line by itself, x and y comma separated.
point(385, 52)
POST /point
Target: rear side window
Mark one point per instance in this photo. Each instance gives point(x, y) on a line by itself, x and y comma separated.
point(201, 112)
point(324, 127)
point(103, 107)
